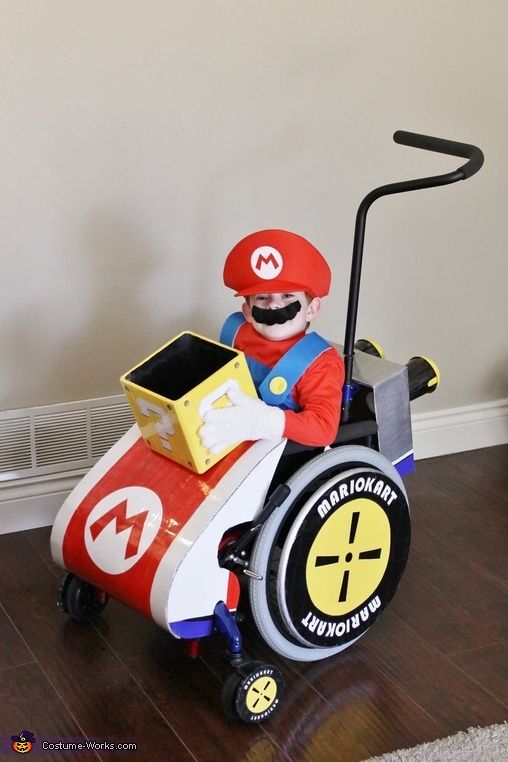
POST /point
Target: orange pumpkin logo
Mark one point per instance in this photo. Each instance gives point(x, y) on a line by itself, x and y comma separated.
point(24, 742)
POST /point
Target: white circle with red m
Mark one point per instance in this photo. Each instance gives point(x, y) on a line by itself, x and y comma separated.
point(266, 262)
point(121, 528)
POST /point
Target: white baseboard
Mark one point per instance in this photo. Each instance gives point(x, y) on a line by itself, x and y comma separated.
point(460, 429)
point(31, 503)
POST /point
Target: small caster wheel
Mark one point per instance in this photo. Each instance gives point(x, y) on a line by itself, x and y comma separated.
point(254, 695)
point(81, 600)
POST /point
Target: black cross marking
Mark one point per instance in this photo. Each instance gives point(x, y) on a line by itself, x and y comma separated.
point(262, 694)
point(370, 553)
point(325, 560)
point(364, 555)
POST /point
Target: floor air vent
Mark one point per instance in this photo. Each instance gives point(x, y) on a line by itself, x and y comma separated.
point(58, 438)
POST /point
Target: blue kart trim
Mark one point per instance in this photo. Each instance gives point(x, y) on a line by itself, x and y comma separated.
point(192, 628)
point(406, 465)
point(222, 620)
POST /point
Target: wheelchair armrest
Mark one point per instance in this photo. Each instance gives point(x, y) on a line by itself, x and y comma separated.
point(348, 432)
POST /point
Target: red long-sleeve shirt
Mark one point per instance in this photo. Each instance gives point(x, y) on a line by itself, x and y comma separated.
point(318, 392)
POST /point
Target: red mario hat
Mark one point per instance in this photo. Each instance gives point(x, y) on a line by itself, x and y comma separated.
point(276, 260)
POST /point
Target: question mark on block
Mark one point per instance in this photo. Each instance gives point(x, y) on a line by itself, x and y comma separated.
point(163, 427)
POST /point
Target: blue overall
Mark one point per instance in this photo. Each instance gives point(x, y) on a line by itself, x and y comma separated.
point(274, 385)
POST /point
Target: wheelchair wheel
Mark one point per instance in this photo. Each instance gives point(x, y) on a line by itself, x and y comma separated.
point(332, 555)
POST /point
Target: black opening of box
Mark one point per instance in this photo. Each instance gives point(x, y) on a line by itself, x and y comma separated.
point(181, 366)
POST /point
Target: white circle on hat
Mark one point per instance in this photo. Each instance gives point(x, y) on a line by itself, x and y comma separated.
point(266, 262)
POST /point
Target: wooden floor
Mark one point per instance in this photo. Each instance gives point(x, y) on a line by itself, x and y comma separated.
point(434, 663)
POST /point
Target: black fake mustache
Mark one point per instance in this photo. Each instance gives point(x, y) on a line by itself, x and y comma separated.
point(278, 316)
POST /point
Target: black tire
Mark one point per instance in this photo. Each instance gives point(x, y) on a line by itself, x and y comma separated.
point(81, 600)
point(313, 600)
point(229, 691)
point(253, 696)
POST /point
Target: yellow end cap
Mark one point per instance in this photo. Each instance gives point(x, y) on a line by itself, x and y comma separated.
point(377, 346)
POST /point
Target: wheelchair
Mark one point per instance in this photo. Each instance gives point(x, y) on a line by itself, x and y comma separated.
point(320, 536)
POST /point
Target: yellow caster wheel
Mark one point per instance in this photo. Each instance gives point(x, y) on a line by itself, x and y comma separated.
point(254, 695)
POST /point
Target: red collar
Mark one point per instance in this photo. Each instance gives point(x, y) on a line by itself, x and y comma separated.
point(262, 349)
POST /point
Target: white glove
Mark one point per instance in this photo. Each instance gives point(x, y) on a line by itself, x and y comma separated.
point(246, 418)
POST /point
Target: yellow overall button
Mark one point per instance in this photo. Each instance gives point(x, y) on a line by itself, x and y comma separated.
point(278, 385)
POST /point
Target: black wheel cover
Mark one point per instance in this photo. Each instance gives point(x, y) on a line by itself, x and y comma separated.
point(343, 562)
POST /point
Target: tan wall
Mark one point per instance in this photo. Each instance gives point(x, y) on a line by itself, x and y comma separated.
point(140, 140)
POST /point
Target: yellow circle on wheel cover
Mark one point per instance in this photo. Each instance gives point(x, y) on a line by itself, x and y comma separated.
point(261, 694)
point(348, 557)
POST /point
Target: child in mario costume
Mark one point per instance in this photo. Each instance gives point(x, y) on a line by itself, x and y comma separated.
point(298, 375)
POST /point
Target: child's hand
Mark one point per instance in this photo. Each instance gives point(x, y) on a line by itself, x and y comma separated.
point(246, 418)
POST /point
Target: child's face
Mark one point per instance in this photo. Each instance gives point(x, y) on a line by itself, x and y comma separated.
point(276, 301)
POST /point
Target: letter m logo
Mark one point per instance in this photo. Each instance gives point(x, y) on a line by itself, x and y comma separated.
point(266, 262)
point(118, 514)
point(122, 527)
point(269, 260)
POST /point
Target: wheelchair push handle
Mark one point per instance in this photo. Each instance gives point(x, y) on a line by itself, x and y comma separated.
point(440, 145)
point(474, 162)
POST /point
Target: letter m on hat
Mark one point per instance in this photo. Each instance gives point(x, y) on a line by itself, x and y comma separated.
point(266, 262)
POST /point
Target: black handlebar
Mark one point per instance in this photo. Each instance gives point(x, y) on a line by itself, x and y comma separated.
point(440, 145)
point(475, 160)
